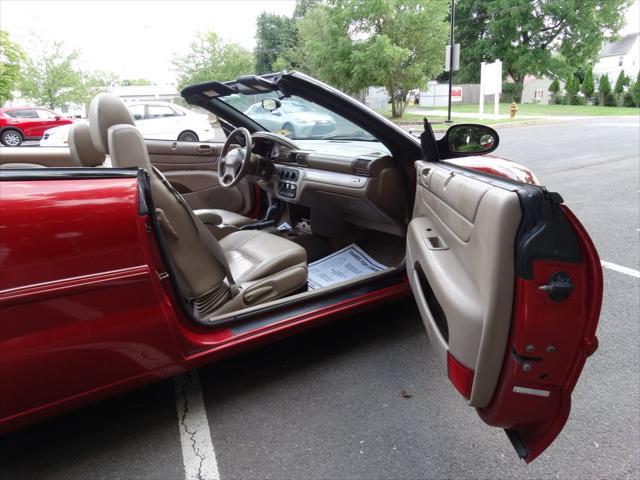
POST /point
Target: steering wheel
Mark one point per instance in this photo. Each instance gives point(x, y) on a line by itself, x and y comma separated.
point(233, 162)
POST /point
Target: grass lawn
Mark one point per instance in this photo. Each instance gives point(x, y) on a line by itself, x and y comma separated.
point(544, 110)
point(438, 121)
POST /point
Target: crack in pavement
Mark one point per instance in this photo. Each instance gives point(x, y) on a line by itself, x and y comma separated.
point(197, 449)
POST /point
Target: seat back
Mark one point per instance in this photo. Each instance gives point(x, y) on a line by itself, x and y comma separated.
point(105, 111)
point(200, 273)
point(83, 150)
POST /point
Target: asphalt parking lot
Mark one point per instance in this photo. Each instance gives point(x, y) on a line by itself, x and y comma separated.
point(366, 397)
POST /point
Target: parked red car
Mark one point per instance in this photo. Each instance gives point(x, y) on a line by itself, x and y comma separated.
point(18, 124)
point(112, 278)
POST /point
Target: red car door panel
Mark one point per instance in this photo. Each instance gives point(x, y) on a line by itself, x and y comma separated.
point(80, 304)
point(509, 286)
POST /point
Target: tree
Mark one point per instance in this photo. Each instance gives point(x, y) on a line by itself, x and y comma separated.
point(12, 58)
point(621, 82)
point(275, 34)
point(352, 45)
point(554, 88)
point(135, 82)
point(54, 79)
point(533, 38)
point(303, 6)
point(604, 90)
point(634, 91)
point(588, 85)
point(209, 58)
point(572, 87)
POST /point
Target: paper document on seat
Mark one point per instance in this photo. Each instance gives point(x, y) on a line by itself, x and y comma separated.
point(345, 264)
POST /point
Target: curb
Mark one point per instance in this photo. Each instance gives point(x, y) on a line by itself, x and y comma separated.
point(438, 127)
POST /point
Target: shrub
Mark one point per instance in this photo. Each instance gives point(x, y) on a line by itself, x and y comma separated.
point(588, 85)
point(634, 92)
point(578, 100)
point(554, 87)
point(511, 92)
point(605, 91)
point(621, 82)
point(572, 87)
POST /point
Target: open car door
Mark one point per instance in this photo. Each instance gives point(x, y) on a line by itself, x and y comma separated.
point(509, 286)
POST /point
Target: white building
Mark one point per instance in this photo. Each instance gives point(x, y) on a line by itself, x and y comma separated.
point(623, 54)
point(140, 93)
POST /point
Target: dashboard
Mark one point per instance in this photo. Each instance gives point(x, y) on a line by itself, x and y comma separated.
point(340, 181)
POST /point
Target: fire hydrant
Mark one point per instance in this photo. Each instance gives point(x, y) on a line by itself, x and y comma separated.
point(513, 110)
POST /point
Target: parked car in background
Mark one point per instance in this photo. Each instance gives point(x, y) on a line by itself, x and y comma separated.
point(18, 124)
point(293, 119)
point(156, 121)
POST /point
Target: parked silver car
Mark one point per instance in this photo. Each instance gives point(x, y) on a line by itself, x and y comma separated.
point(293, 119)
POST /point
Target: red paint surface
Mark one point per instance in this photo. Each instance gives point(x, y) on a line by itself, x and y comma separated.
point(497, 166)
point(461, 377)
point(83, 315)
point(569, 327)
point(78, 306)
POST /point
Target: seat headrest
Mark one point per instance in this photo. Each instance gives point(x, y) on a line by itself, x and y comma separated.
point(105, 111)
point(82, 148)
point(127, 148)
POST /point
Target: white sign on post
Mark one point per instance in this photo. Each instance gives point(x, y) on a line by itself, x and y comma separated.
point(456, 57)
point(490, 84)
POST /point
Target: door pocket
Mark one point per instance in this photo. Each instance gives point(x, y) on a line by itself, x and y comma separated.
point(438, 317)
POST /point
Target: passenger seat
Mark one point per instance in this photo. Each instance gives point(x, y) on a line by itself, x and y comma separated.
point(83, 150)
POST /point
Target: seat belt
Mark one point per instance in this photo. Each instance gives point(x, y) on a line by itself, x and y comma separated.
point(203, 232)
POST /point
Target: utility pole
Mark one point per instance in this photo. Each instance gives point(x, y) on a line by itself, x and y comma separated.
point(451, 49)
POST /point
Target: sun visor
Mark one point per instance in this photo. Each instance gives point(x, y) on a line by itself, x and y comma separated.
point(207, 90)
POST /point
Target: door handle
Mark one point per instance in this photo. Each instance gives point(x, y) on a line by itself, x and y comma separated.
point(203, 148)
point(426, 177)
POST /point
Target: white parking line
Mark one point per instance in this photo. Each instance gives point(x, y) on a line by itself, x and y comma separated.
point(198, 455)
point(621, 269)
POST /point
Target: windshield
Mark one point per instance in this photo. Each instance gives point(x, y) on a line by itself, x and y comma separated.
point(297, 118)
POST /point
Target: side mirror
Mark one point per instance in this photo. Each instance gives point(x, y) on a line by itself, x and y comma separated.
point(469, 139)
point(137, 116)
point(58, 117)
point(271, 104)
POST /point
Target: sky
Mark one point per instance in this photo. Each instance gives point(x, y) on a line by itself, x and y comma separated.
point(134, 39)
point(137, 39)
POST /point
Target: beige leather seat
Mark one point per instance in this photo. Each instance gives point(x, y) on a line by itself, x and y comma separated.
point(83, 150)
point(231, 218)
point(114, 112)
point(264, 266)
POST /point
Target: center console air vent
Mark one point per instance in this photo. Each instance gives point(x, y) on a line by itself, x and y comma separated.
point(302, 158)
point(361, 166)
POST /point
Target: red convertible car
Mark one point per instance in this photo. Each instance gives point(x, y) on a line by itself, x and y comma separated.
point(125, 261)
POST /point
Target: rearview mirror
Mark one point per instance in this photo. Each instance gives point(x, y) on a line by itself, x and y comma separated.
point(471, 139)
point(271, 104)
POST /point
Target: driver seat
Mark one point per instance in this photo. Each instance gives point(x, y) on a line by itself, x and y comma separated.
point(258, 266)
point(107, 110)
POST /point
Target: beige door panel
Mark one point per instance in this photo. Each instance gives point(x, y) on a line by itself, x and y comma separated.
point(192, 168)
point(46, 156)
point(460, 263)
